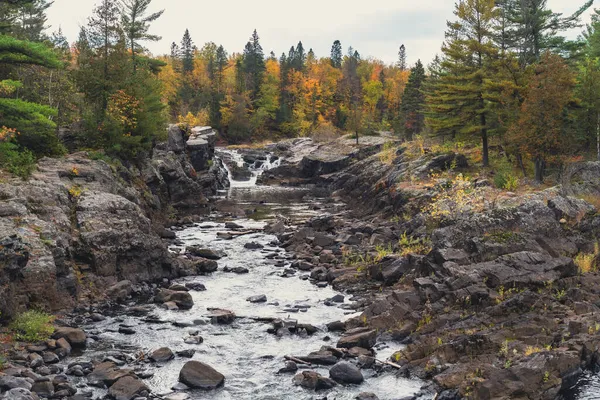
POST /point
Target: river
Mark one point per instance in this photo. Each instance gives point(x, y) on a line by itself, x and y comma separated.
point(243, 351)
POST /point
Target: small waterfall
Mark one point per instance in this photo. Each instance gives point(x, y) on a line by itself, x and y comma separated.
point(256, 169)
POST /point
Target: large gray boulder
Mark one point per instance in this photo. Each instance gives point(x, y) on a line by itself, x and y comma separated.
point(198, 375)
point(344, 372)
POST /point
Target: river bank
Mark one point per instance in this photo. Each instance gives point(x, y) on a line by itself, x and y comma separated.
point(429, 281)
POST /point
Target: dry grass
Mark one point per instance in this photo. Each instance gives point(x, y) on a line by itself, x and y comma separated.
point(387, 155)
point(587, 262)
point(591, 199)
point(250, 146)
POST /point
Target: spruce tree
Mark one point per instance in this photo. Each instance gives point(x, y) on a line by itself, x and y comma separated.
point(31, 20)
point(336, 54)
point(402, 58)
point(187, 52)
point(413, 102)
point(136, 24)
point(254, 65)
point(299, 60)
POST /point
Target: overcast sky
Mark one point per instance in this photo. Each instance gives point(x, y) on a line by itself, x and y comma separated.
point(374, 29)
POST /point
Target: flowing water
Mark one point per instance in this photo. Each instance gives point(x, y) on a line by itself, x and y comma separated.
point(244, 352)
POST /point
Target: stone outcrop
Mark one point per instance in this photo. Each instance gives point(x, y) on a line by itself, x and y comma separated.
point(80, 225)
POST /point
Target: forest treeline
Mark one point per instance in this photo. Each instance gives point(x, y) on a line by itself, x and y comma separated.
point(506, 77)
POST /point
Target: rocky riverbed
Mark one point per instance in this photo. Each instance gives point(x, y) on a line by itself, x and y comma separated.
point(359, 272)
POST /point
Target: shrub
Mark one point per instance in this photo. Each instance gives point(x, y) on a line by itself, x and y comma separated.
point(16, 161)
point(33, 326)
point(388, 153)
point(505, 178)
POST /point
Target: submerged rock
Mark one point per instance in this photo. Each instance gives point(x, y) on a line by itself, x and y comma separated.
point(198, 375)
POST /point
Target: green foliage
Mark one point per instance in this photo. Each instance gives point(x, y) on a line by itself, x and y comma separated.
point(20, 163)
point(33, 122)
point(33, 326)
point(14, 51)
point(504, 177)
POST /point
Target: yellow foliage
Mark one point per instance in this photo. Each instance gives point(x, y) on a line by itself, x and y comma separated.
point(200, 119)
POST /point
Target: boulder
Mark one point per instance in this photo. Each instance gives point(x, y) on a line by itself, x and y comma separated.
point(261, 298)
point(219, 316)
point(196, 286)
point(19, 394)
point(313, 381)
point(321, 357)
point(128, 388)
point(198, 375)
point(75, 336)
point(8, 382)
point(344, 372)
point(161, 355)
point(204, 253)
point(106, 374)
point(360, 337)
point(205, 266)
point(119, 291)
point(182, 299)
point(43, 389)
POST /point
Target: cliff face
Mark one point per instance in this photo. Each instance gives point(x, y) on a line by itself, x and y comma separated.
point(79, 225)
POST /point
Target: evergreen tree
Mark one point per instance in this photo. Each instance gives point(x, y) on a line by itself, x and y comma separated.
point(31, 20)
point(32, 121)
point(221, 63)
point(530, 27)
point(136, 24)
point(299, 58)
point(336, 54)
point(402, 58)
point(413, 102)
point(254, 65)
point(102, 34)
point(187, 52)
point(461, 98)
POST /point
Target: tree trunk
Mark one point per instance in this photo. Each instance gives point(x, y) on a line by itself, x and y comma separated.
point(539, 169)
point(484, 138)
point(521, 165)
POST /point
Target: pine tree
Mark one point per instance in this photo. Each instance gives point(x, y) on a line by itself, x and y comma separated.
point(402, 58)
point(32, 121)
point(31, 20)
point(413, 102)
point(187, 52)
point(103, 33)
point(336, 54)
point(461, 98)
point(530, 27)
point(136, 24)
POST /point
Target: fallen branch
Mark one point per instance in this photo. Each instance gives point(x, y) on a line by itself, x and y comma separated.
point(297, 361)
point(391, 364)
